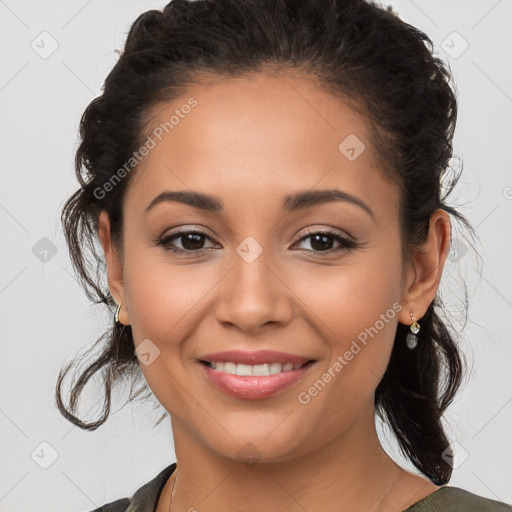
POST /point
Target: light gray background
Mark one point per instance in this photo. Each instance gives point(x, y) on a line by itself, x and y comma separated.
point(46, 319)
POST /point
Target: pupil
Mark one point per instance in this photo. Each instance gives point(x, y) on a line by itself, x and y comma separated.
point(192, 237)
point(323, 238)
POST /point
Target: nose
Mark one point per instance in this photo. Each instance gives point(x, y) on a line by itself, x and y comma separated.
point(253, 294)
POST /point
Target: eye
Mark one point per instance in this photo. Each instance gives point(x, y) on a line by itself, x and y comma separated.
point(322, 241)
point(191, 241)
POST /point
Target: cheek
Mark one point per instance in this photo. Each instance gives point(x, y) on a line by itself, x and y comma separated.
point(355, 308)
point(352, 297)
point(355, 314)
point(161, 295)
point(163, 302)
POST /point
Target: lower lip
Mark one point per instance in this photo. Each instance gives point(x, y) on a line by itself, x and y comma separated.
point(253, 388)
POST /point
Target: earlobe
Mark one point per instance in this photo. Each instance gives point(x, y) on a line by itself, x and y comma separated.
point(428, 263)
point(113, 263)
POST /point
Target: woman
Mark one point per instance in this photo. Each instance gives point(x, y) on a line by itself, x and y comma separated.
point(264, 178)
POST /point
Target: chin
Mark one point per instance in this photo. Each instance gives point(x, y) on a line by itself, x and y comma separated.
point(260, 443)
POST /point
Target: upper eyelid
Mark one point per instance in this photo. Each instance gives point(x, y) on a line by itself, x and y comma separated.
point(329, 231)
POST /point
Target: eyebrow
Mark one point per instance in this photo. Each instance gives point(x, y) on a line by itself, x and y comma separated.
point(294, 202)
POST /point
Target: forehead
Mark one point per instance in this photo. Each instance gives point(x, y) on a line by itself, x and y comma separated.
point(258, 134)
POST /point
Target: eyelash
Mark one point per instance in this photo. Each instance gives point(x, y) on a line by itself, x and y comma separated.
point(346, 243)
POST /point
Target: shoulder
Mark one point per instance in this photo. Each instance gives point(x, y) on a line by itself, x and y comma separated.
point(145, 498)
point(455, 499)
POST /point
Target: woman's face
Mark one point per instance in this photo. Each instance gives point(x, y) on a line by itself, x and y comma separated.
point(256, 277)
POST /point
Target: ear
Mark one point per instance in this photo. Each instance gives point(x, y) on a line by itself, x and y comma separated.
point(425, 271)
point(114, 266)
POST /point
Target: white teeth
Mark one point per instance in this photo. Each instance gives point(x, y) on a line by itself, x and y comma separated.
point(230, 368)
point(252, 370)
point(275, 368)
point(243, 369)
point(260, 369)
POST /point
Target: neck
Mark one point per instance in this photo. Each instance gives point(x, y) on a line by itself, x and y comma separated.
point(351, 472)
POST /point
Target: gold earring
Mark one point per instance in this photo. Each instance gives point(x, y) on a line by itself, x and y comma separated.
point(116, 315)
point(412, 339)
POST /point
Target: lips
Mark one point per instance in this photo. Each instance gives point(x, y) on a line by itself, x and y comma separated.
point(252, 386)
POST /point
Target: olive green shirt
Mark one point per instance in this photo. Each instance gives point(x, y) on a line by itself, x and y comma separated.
point(445, 499)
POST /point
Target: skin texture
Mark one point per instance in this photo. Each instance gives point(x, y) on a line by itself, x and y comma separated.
point(251, 141)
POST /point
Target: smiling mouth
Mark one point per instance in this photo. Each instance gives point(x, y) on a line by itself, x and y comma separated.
point(256, 370)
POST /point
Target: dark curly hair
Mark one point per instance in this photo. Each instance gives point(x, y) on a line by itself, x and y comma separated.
point(381, 67)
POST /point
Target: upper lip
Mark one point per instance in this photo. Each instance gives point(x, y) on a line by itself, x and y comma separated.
point(252, 358)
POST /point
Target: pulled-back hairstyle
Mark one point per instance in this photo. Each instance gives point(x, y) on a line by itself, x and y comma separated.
point(374, 62)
